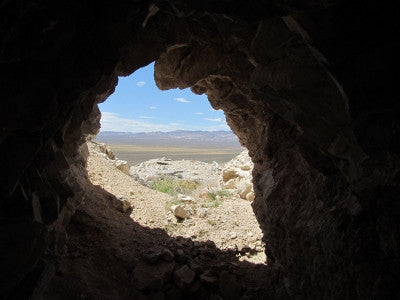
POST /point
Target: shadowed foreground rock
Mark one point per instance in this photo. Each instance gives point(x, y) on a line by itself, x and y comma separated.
point(308, 87)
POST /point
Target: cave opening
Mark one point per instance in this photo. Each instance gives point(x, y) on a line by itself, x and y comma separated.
point(201, 173)
point(308, 87)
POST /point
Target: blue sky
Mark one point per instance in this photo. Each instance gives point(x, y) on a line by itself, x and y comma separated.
point(137, 105)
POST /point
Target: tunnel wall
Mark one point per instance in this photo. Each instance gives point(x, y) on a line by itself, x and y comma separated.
point(308, 87)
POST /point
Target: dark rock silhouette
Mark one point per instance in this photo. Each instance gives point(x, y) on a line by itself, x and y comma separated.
point(309, 87)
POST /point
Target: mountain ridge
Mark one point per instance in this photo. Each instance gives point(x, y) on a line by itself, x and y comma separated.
point(185, 138)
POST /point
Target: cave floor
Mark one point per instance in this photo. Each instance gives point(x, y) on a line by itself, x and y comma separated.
point(110, 256)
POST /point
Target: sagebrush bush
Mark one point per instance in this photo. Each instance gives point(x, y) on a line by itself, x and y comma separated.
point(173, 186)
point(216, 197)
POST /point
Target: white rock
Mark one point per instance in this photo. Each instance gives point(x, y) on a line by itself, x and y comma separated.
point(230, 184)
point(250, 196)
point(237, 176)
point(185, 198)
point(246, 190)
point(259, 249)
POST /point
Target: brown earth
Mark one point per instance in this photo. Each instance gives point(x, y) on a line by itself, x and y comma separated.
point(230, 225)
point(118, 253)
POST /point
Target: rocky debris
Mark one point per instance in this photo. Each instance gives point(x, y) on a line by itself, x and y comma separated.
point(180, 212)
point(153, 169)
point(176, 277)
point(102, 148)
point(152, 276)
point(196, 268)
point(104, 151)
point(204, 219)
point(236, 176)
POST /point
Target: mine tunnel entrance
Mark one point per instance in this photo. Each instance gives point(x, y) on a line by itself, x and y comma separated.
point(190, 234)
point(309, 87)
point(165, 158)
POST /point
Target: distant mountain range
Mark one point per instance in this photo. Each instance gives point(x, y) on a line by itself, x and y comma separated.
point(178, 138)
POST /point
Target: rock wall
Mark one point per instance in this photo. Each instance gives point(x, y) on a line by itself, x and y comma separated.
point(308, 87)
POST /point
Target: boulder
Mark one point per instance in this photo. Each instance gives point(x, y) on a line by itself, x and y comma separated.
point(236, 176)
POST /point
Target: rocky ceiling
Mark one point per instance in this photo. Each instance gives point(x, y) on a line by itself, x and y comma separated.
point(308, 86)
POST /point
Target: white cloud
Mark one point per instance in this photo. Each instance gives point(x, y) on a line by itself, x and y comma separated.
point(199, 113)
point(140, 83)
point(146, 117)
point(213, 120)
point(153, 107)
point(183, 100)
point(113, 122)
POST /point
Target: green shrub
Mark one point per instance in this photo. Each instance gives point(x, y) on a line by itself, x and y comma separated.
point(167, 185)
point(187, 186)
point(173, 186)
point(216, 197)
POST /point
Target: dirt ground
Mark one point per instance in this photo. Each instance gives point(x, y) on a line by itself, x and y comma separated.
point(230, 223)
point(113, 253)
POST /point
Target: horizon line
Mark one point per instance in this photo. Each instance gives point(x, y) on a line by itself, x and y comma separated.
point(102, 131)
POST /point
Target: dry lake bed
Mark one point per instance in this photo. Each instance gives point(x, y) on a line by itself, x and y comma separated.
point(136, 154)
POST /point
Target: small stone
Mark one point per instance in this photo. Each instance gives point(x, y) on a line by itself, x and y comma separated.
point(249, 234)
point(229, 174)
point(180, 256)
point(180, 212)
point(167, 255)
point(250, 196)
point(184, 276)
point(185, 198)
point(151, 255)
point(233, 235)
point(123, 166)
point(243, 193)
point(246, 167)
